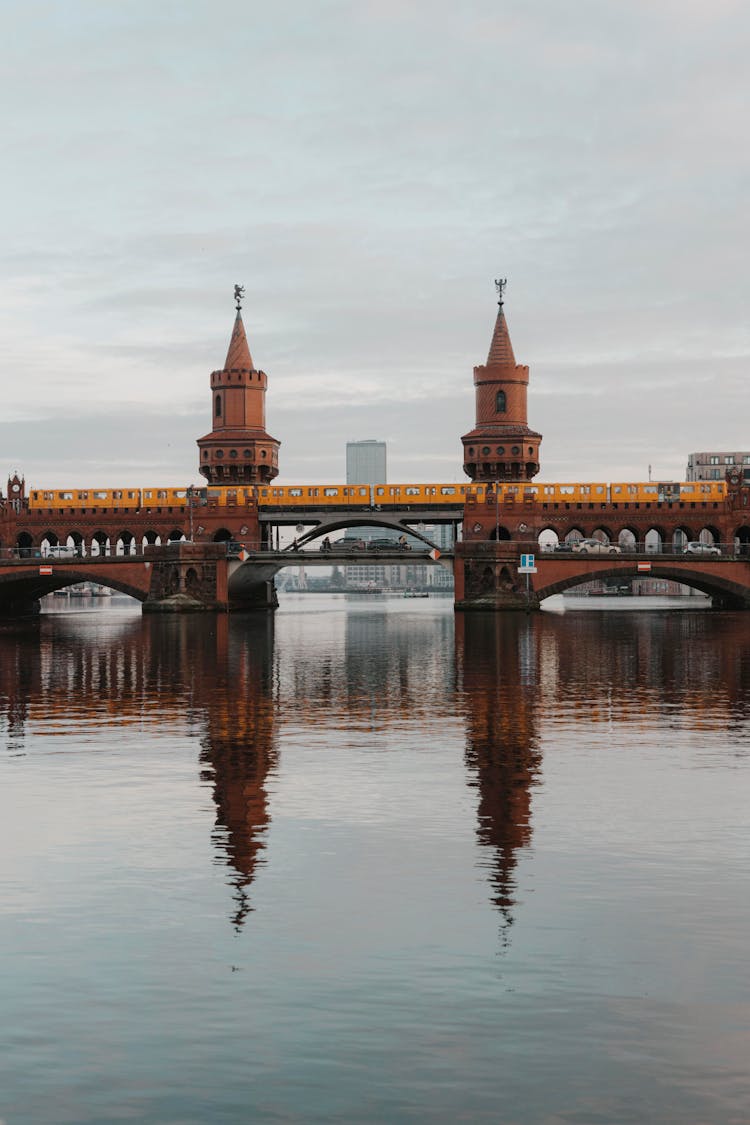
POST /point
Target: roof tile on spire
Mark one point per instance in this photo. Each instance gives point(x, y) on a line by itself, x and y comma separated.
point(501, 349)
point(238, 355)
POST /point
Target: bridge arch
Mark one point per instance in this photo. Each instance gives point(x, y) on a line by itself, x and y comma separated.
point(712, 578)
point(361, 519)
point(627, 538)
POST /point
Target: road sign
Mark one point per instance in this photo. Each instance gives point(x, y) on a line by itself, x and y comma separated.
point(527, 565)
point(643, 567)
point(45, 569)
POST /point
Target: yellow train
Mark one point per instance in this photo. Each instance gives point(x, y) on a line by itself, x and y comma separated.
point(283, 497)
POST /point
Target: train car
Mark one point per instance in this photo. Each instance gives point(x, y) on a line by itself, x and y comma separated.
point(668, 492)
point(84, 499)
point(418, 495)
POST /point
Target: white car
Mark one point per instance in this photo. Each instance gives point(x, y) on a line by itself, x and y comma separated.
point(695, 548)
point(595, 547)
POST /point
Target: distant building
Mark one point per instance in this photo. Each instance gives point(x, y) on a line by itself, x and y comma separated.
point(365, 462)
point(716, 464)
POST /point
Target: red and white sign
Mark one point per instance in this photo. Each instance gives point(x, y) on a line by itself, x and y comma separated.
point(45, 569)
point(643, 566)
point(435, 554)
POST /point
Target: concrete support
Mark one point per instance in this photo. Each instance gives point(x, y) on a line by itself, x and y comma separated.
point(486, 578)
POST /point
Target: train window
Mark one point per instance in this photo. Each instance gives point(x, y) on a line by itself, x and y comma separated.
point(330, 491)
point(161, 494)
point(567, 489)
point(147, 494)
point(131, 496)
point(379, 491)
point(117, 495)
point(447, 492)
point(364, 492)
point(97, 495)
point(180, 493)
point(599, 489)
point(651, 488)
point(295, 491)
point(411, 491)
point(67, 495)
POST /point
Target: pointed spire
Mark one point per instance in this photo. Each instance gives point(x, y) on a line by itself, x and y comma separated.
point(501, 349)
point(238, 355)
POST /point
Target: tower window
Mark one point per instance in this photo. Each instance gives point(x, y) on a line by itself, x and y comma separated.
point(500, 402)
point(218, 406)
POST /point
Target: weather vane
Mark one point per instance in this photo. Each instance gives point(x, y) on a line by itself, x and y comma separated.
point(239, 293)
point(500, 283)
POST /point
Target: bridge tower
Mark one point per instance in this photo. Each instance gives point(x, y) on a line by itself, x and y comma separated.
point(501, 447)
point(238, 450)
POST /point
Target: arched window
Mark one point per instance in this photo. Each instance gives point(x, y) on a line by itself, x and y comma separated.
point(218, 406)
point(500, 402)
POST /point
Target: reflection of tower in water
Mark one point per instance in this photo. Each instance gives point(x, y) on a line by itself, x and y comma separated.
point(238, 749)
point(497, 657)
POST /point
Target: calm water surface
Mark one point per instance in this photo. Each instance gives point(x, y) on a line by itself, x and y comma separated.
point(366, 863)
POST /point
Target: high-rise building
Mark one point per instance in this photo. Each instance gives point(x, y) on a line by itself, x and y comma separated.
point(715, 465)
point(365, 462)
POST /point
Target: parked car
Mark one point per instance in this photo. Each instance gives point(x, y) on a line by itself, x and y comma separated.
point(61, 551)
point(596, 547)
point(565, 547)
point(695, 548)
point(347, 544)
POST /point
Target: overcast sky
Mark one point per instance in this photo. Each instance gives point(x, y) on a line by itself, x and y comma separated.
point(366, 169)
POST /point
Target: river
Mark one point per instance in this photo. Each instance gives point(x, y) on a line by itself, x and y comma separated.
point(365, 861)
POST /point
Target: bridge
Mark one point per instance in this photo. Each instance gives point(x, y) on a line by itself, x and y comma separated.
point(168, 546)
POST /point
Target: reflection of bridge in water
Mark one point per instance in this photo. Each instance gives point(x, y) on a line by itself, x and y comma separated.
point(224, 683)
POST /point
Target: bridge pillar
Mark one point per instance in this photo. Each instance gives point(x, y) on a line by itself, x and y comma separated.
point(12, 607)
point(187, 578)
point(486, 578)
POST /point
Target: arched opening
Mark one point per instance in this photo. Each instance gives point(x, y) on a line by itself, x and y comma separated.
point(574, 536)
point(24, 545)
point(627, 540)
point(99, 543)
point(223, 535)
point(500, 534)
point(125, 543)
point(709, 536)
point(603, 534)
point(77, 541)
point(680, 538)
point(175, 536)
point(742, 540)
point(500, 402)
point(151, 539)
point(218, 406)
point(548, 539)
point(653, 541)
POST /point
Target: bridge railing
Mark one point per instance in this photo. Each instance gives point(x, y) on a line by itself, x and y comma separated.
point(724, 550)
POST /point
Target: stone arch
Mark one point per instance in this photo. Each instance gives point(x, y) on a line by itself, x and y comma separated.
point(655, 539)
point(77, 541)
point(223, 535)
point(500, 534)
point(49, 539)
point(709, 534)
point(24, 544)
point(742, 540)
point(627, 539)
point(603, 534)
point(548, 539)
point(681, 536)
point(100, 544)
point(175, 535)
point(151, 539)
point(125, 544)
